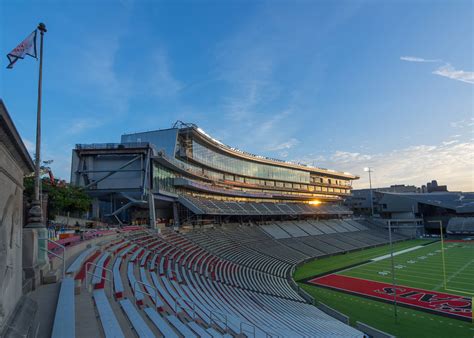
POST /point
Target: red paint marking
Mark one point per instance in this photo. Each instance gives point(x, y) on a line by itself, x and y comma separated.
point(443, 303)
point(82, 273)
point(101, 284)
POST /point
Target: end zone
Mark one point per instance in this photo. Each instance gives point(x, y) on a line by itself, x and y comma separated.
point(435, 302)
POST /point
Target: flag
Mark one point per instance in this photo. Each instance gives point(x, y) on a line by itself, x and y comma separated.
point(26, 47)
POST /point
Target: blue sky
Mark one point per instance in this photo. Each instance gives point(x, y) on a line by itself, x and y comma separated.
point(341, 84)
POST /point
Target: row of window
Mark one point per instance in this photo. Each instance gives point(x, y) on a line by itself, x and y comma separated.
point(216, 176)
point(243, 167)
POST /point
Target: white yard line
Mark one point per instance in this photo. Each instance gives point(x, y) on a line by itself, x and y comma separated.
point(461, 269)
point(376, 259)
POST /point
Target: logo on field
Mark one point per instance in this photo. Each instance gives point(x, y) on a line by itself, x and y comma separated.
point(447, 303)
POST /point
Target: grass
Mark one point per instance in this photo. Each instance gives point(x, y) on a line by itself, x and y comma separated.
point(340, 261)
point(411, 323)
point(423, 268)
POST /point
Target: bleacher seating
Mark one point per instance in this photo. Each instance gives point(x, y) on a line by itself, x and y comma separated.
point(107, 317)
point(461, 225)
point(224, 281)
point(64, 320)
point(216, 207)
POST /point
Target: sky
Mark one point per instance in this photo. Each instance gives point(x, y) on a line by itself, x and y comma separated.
point(336, 84)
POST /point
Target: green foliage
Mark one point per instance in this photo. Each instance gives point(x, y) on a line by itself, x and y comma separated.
point(62, 199)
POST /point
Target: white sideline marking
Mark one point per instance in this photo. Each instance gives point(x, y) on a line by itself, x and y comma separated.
point(376, 259)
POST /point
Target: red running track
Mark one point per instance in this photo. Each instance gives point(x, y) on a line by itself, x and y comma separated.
point(439, 303)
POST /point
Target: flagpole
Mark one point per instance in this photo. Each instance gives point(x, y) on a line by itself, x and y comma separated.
point(35, 219)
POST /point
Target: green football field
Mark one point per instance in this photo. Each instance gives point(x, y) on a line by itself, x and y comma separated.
point(424, 271)
point(423, 268)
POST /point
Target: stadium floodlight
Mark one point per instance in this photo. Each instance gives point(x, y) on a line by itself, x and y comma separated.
point(369, 170)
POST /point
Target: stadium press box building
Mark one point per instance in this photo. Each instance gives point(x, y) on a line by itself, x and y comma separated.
point(184, 176)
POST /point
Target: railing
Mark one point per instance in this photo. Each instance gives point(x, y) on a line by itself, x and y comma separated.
point(252, 328)
point(109, 280)
point(225, 321)
point(63, 257)
point(178, 305)
point(154, 297)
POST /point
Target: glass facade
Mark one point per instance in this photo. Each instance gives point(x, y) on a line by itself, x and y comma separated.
point(163, 179)
point(243, 167)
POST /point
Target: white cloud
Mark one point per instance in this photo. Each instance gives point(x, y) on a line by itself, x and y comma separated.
point(283, 146)
point(462, 123)
point(162, 81)
point(450, 72)
point(79, 125)
point(449, 162)
point(417, 59)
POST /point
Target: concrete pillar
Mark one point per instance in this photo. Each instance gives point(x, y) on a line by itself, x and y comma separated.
point(95, 208)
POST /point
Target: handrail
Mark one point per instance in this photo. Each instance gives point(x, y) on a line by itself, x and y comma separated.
point(186, 306)
point(249, 325)
point(225, 321)
point(88, 264)
point(54, 254)
point(134, 288)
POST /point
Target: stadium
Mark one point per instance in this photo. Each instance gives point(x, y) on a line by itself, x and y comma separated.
point(211, 241)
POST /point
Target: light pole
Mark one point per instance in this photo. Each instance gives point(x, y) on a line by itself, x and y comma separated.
point(369, 170)
point(35, 215)
point(393, 271)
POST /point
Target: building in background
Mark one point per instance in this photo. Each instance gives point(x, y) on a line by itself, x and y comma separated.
point(430, 208)
point(184, 176)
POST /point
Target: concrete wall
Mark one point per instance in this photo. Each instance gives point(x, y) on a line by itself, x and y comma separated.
point(15, 162)
point(11, 224)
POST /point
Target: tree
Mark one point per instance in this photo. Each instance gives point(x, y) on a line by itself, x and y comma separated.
point(62, 199)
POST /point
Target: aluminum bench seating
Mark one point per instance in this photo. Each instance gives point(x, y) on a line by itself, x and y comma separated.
point(234, 312)
point(214, 303)
point(136, 254)
point(178, 301)
point(129, 249)
point(114, 249)
point(136, 287)
point(76, 265)
point(202, 304)
point(165, 296)
point(335, 225)
point(107, 317)
point(99, 272)
point(160, 323)
point(214, 334)
point(201, 332)
point(351, 240)
point(182, 328)
point(323, 227)
point(118, 285)
point(308, 228)
point(292, 229)
point(154, 296)
point(274, 249)
point(138, 324)
point(356, 224)
point(275, 231)
point(348, 225)
point(64, 320)
point(314, 242)
point(297, 244)
point(144, 258)
point(332, 240)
